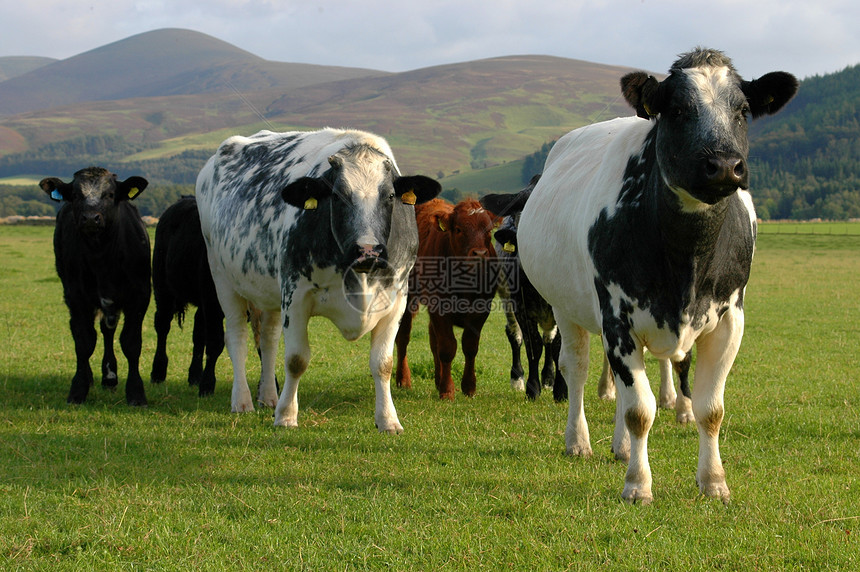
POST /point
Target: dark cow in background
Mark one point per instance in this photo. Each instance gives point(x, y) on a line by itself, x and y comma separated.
point(529, 317)
point(306, 224)
point(102, 256)
point(455, 276)
point(653, 232)
point(181, 276)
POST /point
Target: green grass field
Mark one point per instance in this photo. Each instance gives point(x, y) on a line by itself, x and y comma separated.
point(478, 483)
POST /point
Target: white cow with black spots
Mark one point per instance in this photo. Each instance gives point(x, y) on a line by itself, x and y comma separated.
point(306, 224)
point(653, 232)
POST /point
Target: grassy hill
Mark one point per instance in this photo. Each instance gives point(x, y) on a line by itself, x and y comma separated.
point(157, 63)
point(469, 124)
point(13, 66)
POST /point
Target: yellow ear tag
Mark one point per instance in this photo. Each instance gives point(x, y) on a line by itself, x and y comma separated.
point(509, 247)
point(133, 192)
point(647, 109)
point(408, 198)
point(442, 225)
point(310, 204)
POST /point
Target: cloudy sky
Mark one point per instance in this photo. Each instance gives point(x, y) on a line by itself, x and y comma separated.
point(805, 37)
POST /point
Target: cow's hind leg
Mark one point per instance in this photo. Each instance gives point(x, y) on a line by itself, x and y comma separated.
point(667, 385)
point(715, 354)
point(573, 362)
point(163, 319)
point(213, 318)
point(444, 344)
point(684, 402)
point(606, 385)
point(534, 349)
point(235, 310)
point(403, 374)
point(198, 347)
point(270, 334)
point(471, 340)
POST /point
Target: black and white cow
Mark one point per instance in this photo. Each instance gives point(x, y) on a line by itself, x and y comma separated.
point(181, 276)
point(102, 255)
point(653, 236)
point(308, 224)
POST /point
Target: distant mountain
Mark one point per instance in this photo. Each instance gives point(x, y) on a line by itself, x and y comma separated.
point(13, 66)
point(158, 104)
point(158, 63)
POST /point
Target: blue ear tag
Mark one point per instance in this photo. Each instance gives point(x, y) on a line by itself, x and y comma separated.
point(56, 196)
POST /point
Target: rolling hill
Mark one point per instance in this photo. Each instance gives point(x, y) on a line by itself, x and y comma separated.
point(157, 63)
point(470, 124)
point(13, 66)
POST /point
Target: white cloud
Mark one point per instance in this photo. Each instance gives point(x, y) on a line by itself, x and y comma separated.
point(799, 36)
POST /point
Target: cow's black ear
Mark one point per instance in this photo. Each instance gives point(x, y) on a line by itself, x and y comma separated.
point(416, 189)
point(306, 192)
point(640, 91)
point(769, 93)
point(506, 236)
point(56, 189)
point(130, 188)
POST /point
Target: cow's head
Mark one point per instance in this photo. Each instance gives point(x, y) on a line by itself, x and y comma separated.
point(364, 202)
point(468, 228)
point(702, 110)
point(93, 194)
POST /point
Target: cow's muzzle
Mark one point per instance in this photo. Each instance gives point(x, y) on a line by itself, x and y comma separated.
point(369, 257)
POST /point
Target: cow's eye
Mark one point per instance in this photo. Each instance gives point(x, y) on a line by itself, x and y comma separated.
point(391, 197)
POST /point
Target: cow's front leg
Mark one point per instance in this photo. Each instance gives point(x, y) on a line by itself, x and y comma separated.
point(270, 334)
point(110, 379)
point(636, 408)
point(445, 344)
point(573, 363)
point(716, 353)
point(84, 335)
point(381, 348)
point(515, 340)
point(471, 341)
point(297, 356)
point(130, 340)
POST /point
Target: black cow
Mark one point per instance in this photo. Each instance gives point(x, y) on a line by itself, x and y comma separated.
point(102, 257)
point(181, 276)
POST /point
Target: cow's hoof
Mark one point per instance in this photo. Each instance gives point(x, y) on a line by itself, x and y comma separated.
point(684, 417)
point(286, 422)
point(667, 403)
point(137, 401)
point(391, 429)
point(448, 396)
point(634, 494)
point(578, 450)
point(242, 407)
point(716, 490)
point(518, 384)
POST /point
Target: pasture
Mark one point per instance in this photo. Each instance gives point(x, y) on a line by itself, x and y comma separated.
point(474, 483)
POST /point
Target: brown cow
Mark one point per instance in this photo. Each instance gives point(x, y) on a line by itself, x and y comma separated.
point(455, 276)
